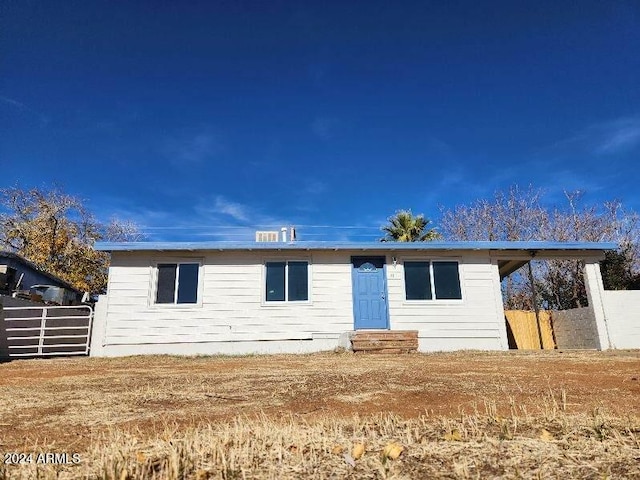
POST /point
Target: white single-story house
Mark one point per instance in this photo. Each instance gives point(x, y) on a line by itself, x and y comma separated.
point(271, 297)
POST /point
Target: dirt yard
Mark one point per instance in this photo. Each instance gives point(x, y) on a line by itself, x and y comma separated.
point(69, 404)
point(69, 400)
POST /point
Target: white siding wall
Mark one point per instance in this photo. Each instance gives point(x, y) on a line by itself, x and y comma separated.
point(622, 310)
point(475, 322)
point(232, 317)
point(232, 310)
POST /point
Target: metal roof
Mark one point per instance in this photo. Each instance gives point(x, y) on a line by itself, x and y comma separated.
point(380, 246)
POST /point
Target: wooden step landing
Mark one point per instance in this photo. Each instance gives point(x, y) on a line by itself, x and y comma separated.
point(385, 341)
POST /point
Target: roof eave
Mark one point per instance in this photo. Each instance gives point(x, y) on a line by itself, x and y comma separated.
point(361, 246)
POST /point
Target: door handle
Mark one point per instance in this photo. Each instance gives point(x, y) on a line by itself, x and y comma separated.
point(382, 296)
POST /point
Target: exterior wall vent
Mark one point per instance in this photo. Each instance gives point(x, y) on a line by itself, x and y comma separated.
point(267, 236)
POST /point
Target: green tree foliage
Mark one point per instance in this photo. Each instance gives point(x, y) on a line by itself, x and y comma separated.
point(406, 227)
point(55, 231)
point(617, 272)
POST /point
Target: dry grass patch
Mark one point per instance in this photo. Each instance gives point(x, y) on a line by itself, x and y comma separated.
point(450, 415)
point(548, 445)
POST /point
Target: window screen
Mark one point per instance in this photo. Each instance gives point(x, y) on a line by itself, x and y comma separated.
point(166, 288)
point(188, 283)
point(287, 281)
point(177, 283)
point(447, 280)
point(298, 281)
point(417, 281)
point(275, 281)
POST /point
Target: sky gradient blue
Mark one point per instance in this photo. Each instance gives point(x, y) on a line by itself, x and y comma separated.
point(193, 117)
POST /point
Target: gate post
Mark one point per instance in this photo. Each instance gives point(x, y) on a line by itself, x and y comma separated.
point(99, 328)
point(43, 326)
point(4, 347)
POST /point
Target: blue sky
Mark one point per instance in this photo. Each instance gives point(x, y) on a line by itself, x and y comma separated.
point(201, 119)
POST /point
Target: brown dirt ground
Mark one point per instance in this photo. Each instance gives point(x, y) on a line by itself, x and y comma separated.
point(64, 403)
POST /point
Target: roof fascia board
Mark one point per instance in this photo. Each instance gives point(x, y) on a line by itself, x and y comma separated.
point(511, 247)
point(549, 255)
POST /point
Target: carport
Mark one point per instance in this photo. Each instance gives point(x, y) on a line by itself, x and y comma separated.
point(576, 328)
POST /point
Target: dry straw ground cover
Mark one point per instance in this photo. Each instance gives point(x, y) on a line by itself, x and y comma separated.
point(458, 415)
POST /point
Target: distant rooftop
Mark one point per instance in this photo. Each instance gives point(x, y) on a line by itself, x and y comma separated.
point(34, 267)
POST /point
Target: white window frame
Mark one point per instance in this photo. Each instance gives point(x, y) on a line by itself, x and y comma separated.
point(433, 300)
point(286, 301)
point(177, 261)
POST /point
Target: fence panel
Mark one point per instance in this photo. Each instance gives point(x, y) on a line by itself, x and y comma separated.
point(41, 331)
point(527, 332)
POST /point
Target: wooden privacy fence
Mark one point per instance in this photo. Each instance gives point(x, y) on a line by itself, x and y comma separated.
point(527, 332)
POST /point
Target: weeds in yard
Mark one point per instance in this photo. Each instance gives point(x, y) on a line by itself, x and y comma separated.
point(462, 415)
point(478, 445)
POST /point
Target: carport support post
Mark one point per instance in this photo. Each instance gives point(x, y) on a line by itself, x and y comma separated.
point(595, 292)
point(534, 300)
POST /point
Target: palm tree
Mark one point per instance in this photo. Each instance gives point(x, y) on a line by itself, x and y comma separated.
point(405, 227)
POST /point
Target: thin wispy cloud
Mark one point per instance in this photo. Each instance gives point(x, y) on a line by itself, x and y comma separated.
point(309, 196)
point(120, 120)
point(318, 73)
point(466, 180)
point(325, 128)
point(24, 109)
point(14, 103)
point(315, 187)
point(564, 180)
point(223, 218)
point(439, 148)
point(194, 147)
point(608, 138)
point(235, 210)
point(217, 218)
point(108, 207)
point(620, 136)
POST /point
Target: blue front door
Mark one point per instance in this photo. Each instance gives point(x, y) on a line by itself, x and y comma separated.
point(369, 293)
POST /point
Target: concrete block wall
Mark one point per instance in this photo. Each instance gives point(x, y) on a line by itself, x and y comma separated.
point(575, 328)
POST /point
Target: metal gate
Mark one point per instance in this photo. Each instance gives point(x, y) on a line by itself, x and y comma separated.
point(41, 331)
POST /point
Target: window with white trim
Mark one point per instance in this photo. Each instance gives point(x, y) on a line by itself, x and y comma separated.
point(177, 283)
point(287, 281)
point(432, 280)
